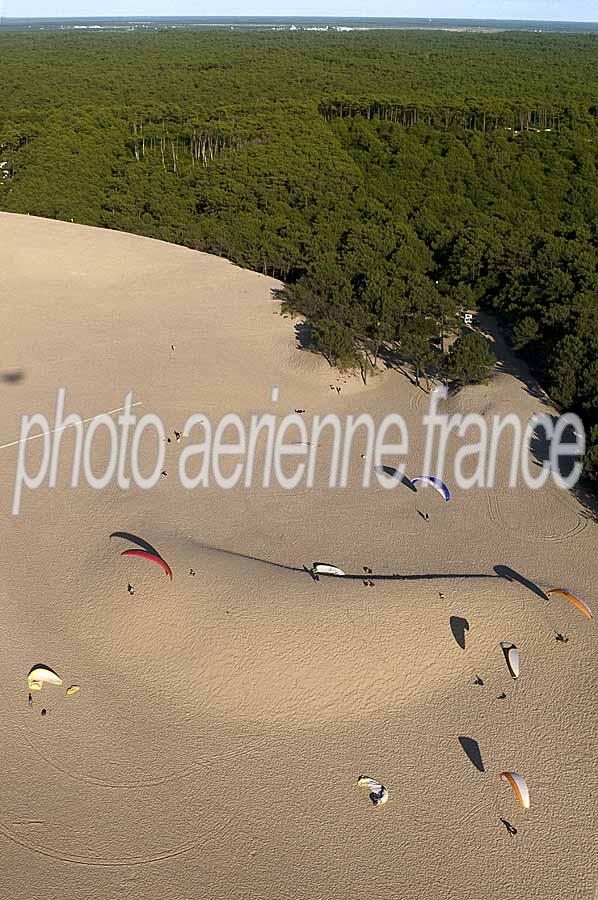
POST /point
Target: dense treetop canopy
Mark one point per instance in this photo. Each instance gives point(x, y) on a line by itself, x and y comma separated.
point(390, 179)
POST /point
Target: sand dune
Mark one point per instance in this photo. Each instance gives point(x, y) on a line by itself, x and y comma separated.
point(224, 717)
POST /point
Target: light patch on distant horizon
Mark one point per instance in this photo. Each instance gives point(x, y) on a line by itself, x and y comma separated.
point(505, 10)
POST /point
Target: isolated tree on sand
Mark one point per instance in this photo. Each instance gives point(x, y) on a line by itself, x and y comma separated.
point(471, 359)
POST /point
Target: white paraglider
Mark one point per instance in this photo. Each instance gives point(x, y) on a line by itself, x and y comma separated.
point(511, 654)
point(378, 793)
point(326, 569)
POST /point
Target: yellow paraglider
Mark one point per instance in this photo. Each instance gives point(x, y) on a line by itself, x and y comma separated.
point(73, 689)
point(581, 606)
point(40, 675)
point(519, 787)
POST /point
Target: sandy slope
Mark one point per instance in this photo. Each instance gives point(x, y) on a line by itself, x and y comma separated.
point(223, 718)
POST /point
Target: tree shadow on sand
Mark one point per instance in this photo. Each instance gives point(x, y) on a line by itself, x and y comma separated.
point(584, 490)
point(304, 336)
point(540, 446)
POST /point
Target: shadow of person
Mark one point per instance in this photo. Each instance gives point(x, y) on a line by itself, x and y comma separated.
point(510, 828)
point(459, 626)
point(12, 376)
point(471, 748)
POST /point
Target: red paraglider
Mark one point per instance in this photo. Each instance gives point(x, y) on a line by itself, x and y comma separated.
point(151, 556)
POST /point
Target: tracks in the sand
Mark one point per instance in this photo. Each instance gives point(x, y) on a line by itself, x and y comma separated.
point(496, 516)
point(494, 512)
point(92, 861)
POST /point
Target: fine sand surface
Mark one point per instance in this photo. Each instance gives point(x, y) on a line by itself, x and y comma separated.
point(223, 718)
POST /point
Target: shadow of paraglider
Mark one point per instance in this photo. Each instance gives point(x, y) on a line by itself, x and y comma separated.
point(307, 570)
point(395, 473)
point(471, 748)
point(134, 539)
point(511, 575)
point(459, 626)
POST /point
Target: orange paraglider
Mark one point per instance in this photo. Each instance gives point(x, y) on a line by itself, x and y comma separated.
point(581, 606)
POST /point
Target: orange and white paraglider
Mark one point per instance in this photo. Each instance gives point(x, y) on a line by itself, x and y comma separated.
point(567, 595)
point(519, 787)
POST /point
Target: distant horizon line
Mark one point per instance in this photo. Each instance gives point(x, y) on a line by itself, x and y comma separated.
point(292, 18)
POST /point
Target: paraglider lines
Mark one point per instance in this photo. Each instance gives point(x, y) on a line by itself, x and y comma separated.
point(32, 437)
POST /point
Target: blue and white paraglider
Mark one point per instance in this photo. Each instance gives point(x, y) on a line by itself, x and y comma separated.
point(437, 483)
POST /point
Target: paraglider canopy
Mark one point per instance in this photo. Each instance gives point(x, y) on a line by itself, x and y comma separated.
point(39, 675)
point(153, 557)
point(519, 787)
point(326, 569)
point(378, 793)
point(511, 654)
point(567, 595)
point(435, 482)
